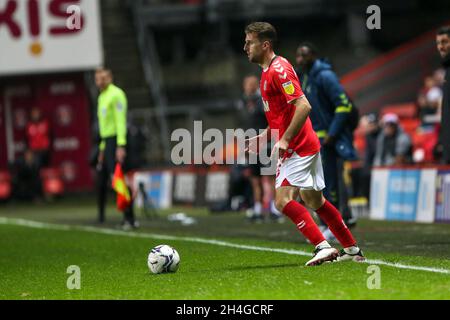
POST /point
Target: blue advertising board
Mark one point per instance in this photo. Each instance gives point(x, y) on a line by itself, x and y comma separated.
point(402, 195)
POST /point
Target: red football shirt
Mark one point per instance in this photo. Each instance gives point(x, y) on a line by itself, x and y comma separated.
point(279, 86)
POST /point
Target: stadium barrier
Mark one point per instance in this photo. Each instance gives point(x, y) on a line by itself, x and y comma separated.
point(410, 194)
point(397, 193)
point(191, 187)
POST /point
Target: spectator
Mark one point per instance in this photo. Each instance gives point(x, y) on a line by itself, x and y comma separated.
point(443, 46)
point(38, 138)
point(27, 184)
point(253, 117)
point(393, 145)
point(439, 77)
point(429, 102)
point(371, 132)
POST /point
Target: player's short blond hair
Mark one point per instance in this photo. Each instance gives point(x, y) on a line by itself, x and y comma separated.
point(264, 31)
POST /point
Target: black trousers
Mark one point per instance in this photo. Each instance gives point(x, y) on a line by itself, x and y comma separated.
point(104, 173)
point(335, 191)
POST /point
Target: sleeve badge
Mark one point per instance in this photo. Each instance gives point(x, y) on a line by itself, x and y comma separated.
point(288, 87)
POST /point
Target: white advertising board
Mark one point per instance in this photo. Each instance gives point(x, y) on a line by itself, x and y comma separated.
point(39, 36)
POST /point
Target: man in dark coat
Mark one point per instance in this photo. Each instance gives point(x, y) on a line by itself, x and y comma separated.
point(443, 46)
point(330, 116)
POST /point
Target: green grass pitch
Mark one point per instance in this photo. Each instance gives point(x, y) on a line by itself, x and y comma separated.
point(34, 260)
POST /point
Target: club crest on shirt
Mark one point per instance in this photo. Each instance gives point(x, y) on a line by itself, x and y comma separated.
point(288, 87)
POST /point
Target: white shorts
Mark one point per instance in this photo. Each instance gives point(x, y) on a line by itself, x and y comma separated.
point(303, 172)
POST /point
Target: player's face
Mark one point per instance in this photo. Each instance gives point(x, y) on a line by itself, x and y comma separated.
point(443, 45)
point(253, 48)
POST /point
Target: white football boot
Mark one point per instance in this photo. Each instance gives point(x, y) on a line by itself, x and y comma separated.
point(322, 255)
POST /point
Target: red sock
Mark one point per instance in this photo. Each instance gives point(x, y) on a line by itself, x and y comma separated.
point(304, 222)
point(331, 216)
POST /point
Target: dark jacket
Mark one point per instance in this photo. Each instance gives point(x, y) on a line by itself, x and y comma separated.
point(251, 113)
point(445, 121)
point(330, 107)
point(371, 147)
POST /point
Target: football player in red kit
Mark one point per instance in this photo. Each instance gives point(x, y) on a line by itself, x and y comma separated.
point(299, 169)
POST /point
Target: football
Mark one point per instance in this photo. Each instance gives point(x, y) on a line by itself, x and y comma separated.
point(163, 258)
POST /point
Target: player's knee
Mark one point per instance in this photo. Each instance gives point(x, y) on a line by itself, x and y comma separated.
point(314, 201)
point(281, 202)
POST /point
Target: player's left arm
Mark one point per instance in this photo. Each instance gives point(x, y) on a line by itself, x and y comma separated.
point(287, 81)
point(341, 103)
point(301, 113)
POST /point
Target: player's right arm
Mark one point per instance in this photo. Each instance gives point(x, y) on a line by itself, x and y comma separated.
point(257, 143)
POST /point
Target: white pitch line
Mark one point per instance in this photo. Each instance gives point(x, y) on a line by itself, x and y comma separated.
point(62, 227)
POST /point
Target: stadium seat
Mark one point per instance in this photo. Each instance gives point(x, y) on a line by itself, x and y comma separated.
point(424, 142)
point(5, 185)
point(403, 111)
point(410, 126)
point(52, 182)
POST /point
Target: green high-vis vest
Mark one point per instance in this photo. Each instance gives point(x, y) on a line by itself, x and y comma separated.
point(112, 115)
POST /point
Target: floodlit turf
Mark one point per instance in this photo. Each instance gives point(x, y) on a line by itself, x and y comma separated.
point(34, 261)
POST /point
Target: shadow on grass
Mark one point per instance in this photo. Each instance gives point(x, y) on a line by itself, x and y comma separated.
point(262, 267)
point(248, 268)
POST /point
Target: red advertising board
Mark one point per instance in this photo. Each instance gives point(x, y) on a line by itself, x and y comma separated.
point(64, 103)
